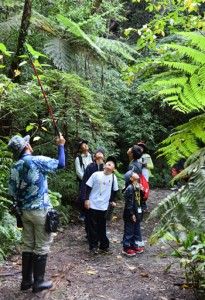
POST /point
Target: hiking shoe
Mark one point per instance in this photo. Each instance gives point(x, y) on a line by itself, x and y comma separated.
point(81, 218)
point(94, 251)
point(137, 250)
point(140, 244)
point(106, 251)
point(128, 252)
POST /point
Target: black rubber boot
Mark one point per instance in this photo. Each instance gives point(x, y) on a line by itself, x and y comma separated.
point(39, 265)
point(27, 270)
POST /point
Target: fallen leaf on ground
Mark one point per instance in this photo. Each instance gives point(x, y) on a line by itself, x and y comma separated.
point(90, 272)
point(145, 275)
point(185, 286)
point(130, 267)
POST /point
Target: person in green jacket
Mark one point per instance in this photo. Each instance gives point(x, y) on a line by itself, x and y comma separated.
point(146, 161)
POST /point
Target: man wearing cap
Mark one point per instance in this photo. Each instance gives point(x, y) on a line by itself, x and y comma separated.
point(28, 188)
point(100, 186)
point(81, 163)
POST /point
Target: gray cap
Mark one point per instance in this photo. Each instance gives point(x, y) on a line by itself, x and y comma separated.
point(101, 150)
point(17, 144)
point(128, 175)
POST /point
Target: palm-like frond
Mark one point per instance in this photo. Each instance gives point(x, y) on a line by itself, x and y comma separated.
point(195, 55)
point(116, 47)
point(196, 39)
point(71, 43)
point(57, 49)
point(182, 66)
point(77, 32)
point(184, 139)
point(13, 23)
point(184, 208)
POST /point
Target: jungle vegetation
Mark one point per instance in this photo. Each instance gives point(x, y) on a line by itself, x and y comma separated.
point(115, 73)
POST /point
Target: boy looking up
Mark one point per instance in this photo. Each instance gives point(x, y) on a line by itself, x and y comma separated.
point(98, 195)
point(97, 165)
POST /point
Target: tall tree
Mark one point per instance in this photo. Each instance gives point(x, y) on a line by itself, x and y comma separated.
point(21, 39)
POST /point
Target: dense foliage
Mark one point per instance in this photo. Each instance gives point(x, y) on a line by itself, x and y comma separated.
point(115, 72)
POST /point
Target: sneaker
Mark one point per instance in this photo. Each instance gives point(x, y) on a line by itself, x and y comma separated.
point(128, 252)
point(94, 251)
point(140, 244)
point(138, 250)
point(106, 251)
point(81, 218)
point(174, 188)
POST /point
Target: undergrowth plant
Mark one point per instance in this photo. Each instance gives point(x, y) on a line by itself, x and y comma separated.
point(191, 256)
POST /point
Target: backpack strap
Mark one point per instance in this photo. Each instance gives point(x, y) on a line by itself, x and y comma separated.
point(81, 162)
point(111, 196)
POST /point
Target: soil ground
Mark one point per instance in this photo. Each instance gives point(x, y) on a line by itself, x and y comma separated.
point(79, 275)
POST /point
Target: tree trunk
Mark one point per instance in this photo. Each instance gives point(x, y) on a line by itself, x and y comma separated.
point(21, 39)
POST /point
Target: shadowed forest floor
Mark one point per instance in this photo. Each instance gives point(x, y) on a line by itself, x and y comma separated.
point(79, 275)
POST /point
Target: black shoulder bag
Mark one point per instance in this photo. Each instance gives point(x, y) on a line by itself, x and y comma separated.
point(52, 220)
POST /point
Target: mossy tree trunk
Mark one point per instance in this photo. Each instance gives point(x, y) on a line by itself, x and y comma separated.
point(21, 40)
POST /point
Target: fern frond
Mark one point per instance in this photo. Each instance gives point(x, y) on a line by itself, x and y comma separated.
point(201, 75)
point(195, 55)
point(76, 31)
point(170, 91)
point(184, 139)
point(181, 81)
point(196, 38)
point(188, 98)
point(13, 23)
point(187, 68)
point(116, 47)
point(186, 207)
point(57, 50)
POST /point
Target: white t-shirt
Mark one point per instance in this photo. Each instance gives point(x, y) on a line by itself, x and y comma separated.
point(101, 185)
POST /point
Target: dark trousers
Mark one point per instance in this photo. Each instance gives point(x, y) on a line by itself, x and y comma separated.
point(132, 234)
point(97, 229)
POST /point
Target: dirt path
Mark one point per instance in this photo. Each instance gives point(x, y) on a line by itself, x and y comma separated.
point(79, 275)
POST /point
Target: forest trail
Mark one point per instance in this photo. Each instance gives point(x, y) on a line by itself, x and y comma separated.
point(79, 275)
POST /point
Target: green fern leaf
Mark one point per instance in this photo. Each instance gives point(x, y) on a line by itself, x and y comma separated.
point(195, 55)
point(197, 39)
point(73, 28)
point(187, 68)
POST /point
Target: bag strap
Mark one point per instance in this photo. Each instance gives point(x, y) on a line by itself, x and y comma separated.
point(112, 188)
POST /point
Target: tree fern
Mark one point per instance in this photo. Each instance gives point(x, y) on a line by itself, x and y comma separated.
point(13, 23)
point(184, 140)
point(185, 208)
point(71, 44)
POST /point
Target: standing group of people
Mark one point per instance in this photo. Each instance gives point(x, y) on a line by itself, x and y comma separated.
point(98, 187)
